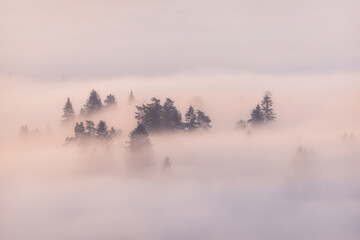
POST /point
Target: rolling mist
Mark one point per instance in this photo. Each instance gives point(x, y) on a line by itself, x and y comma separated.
point(296, 178)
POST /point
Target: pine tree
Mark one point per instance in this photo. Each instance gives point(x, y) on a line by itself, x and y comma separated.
point(140, 149)
point(110, 100)
point(90, 128)
point(190, 119)
point(266, 107)
point(93, 104)
point(139, 140)
point(257, 116)
point(149, 115)
point(202, 121)
point(79, 129)
point(171, 117)
point(69, 114)
point(131, 99)
point(102, 132)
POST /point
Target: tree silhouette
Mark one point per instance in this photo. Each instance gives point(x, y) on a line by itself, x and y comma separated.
point(90, 134)
point(110, 101)
point(68, 112)
point(139, 148)
point(131, 99)
point(93, 103)
point(79, 129)
point(90, 128)
point(190, 119)
point(266, 107)
point(149, 115)
point(101, 131)
point(257, 116)
point(202, 121)
point(171, 117)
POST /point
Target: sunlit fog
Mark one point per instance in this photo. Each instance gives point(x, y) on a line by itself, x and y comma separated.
point(134, 120)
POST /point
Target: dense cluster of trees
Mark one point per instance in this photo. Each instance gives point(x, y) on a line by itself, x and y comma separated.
point(156, 117)
point(90, 133)
point(263, 113)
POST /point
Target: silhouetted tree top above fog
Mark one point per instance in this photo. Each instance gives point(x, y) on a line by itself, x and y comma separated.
point(68, 112)
point(93, 104)
point(110, 100)
point(131, 99)
point(262, 114)
point(91, 134)
point(156, 117)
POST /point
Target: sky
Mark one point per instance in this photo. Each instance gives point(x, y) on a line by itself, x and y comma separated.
point(100, 39)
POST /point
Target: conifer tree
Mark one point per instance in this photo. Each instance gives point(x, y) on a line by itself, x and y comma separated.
point(202, 121)
point(79, 129)
point(90, 128)
point(93, 103)
point(257, 116)
point(171, 117)
point(140, 149)
point(110, 100)
point(190, 119)
point(131, 99)
point(101, 131)
point(149, 115)
point(266, 107)
point(68, 112)
point(139, 140)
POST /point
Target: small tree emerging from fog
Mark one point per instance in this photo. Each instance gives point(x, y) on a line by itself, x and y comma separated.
point(93, 103)
point(102, 131)
point(68, 112)
point(139, 148)
point(131, 99)
point(190, 119)
point(203, 121)
point(90, 128)
point(79, 129)
point(266, 107)
point(139, 139)
point(110, 101)
point(241, 124)
point(257, 116)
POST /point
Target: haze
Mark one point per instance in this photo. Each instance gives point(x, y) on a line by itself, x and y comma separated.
point(293, 178)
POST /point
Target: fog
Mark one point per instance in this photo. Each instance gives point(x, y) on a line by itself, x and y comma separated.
point(222, 184)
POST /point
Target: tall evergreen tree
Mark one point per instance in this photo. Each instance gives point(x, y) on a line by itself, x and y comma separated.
point(257, 116)
point(110, 100)
point(203, 121)
point(93, 104)
point(149, 115)
point(171, 117)
point(68, 112)
point(266, 107)
point(190, 119)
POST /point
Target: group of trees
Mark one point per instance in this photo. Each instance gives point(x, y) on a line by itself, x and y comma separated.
point(263, 113)
point(91, 133)
point(156, 117)
point(93, 105)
